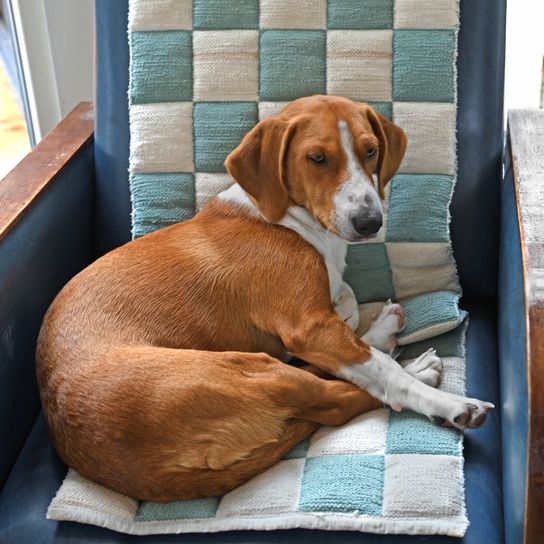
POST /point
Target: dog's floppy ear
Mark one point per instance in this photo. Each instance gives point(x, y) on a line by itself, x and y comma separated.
point(258, 165)
point(392, 147)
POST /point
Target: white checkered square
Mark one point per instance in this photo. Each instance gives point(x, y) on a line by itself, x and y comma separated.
point(285, 14)
point(412, 261)
point(267, 109)
point(408, 490)
point(359, 64)
point(430, 128)
point(161, 15)
point(421, 14)
point(161, 137)
point(453, 375)
point(278, 489)
point(208, 185)
point(364, 434)
point(92, 496)
point(226, 65)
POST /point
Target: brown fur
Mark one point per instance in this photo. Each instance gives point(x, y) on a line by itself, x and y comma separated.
point(159, 366)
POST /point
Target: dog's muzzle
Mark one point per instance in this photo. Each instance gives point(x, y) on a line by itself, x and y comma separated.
point(366, 222)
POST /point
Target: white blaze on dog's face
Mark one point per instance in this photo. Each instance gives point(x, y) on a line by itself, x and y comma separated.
point(320, 153)
point(357, 206)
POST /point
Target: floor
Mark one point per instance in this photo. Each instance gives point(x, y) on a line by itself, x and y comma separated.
point(14, 141)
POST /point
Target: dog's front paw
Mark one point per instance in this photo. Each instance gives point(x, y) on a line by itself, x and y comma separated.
point(464, 413)
point(381, 334)
point(427, 368)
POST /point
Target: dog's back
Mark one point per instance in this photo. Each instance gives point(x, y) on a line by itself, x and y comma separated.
point(150, 332)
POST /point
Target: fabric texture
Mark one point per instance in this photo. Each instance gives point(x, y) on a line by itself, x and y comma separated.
point(202, 74)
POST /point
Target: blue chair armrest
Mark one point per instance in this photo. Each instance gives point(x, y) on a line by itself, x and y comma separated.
point(46, 236)
point(521, 327)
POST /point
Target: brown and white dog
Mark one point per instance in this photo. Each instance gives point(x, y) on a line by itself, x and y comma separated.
point(160, 365)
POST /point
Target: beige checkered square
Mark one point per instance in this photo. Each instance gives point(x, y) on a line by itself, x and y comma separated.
point(278, 489)
point(359, 64)
point(161, 15)
point(161, 137)
point(421, 267)
point(426, 14)
point(226, 65)
point(430, 128)
point(285, 14)
point(267, 109)
point(405, 496)
point(208, 185)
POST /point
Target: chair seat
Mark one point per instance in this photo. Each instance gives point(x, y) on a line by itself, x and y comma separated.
point(38, 473)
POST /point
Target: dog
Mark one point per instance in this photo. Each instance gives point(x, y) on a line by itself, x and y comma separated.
point(161, 366)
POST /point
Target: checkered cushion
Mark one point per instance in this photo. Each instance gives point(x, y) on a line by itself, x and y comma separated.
point(203, 73)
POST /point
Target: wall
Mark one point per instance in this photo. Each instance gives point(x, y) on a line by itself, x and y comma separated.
point(71, 32)
point(524, 53)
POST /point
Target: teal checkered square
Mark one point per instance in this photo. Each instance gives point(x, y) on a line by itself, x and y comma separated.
point(161, 68)
point(449, 344)
point(360, 14)
point(423, 69)
point(343, 483)
point(159, 200)
point(225, 14)
point(189, 509)
point(292, 64)
point(383, 108)
point(409, 432)
point(430, 309)
point(368, 272)
point(218, 129)
point(418, 208)
point(299, 451)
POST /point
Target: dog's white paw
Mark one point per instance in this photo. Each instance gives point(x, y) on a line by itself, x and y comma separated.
point(427, 368)
point(463, 413)
point(381, 334)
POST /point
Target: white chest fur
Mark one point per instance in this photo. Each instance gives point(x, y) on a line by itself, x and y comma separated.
point(331, 247)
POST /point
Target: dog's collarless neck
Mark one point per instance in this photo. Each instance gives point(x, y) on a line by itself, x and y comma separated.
point(331, 247)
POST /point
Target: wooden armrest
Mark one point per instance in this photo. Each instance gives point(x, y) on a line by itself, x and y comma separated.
point(26, 182)
point(526, 138)
point(46, 232)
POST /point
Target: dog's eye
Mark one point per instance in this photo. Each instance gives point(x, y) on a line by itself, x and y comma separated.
point(371, 153)
point(318, 158)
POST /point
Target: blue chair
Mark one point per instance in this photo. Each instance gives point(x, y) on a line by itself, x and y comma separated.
point(68, 203)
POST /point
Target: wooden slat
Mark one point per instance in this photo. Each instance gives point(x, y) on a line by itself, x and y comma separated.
point(527, 146)
point(38, 169)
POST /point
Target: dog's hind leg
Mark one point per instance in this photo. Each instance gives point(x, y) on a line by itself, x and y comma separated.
point(324, 401)
point(310, 402)
point(178, 483)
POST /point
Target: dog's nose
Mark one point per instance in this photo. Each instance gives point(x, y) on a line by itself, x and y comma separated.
point(366, 224)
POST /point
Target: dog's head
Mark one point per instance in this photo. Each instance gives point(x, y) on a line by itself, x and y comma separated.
point(320, 152)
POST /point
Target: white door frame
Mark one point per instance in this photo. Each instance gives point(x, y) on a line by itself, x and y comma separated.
point(55, 39)
point(37, 66)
